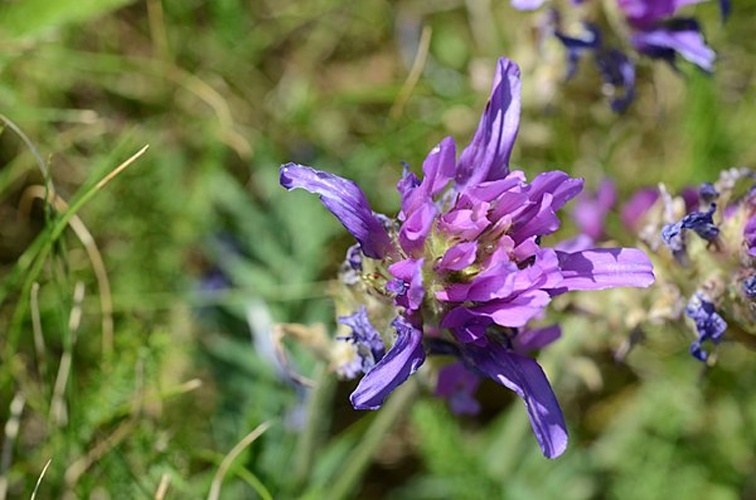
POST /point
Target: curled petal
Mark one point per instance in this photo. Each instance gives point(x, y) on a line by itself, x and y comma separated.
point(416, 228)
point(602, 268)
point(458, 257)
point(410, 272)
point(346, 201)
point(439, 166)
point(486, 158)
point(526, 378)
point(401, 361)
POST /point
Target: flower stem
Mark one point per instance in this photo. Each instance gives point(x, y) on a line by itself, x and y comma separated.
point(361, 457)
point(316, 427)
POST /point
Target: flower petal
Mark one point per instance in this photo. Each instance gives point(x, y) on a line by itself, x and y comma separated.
point(527, 4)
point(532, 339)
point(346, 201)
point(602, 268)
point(683, 37)
point(526, 378)
point(458, 257)
point(401, 361)
point(486, 158)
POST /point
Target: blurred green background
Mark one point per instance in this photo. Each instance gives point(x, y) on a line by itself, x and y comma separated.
point(194, 251)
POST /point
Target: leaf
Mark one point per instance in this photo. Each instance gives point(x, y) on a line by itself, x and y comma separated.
point(32, 18)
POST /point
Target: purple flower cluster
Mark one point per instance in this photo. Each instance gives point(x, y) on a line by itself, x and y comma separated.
point(655, 30)
point(727, 283)
point(462, 268)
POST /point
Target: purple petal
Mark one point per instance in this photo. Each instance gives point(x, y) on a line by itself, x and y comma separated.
point(527, 4)
point(465, 223)
point(541, 222)
point(496, 282)
point(643, 12)
point(466, 325)
point(440, 166)
point(486, 158)
point(517, 311)
point(458, 257)
point(416, 228)
point(685, 39)
point(469, 323)
point(528, 340)
point(602, 268)
point(526, 378)
point(410, 271)
point(401, 361)
point(346, 201)
point(560, 185)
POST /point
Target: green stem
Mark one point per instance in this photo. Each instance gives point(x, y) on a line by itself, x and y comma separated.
point(316, 429)
point(361, 457)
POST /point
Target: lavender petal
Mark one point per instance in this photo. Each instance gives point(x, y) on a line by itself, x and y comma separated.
point(346, 201)
point(401, 361)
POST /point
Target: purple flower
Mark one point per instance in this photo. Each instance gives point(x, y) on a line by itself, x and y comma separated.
point(710, 325)
point(464, 269)
point(678, 36)
point(615, 67)
point(659, 35)
point(635, 209)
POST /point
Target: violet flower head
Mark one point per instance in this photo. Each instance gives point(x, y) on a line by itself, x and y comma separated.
point(463, 270)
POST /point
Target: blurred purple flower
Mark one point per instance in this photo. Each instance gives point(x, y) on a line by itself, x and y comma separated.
point(591, 209)
point(466, 265)
point(659, 35)
point(617, 70)
point(634, 209)
point(678, 36)
point(457, 384)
